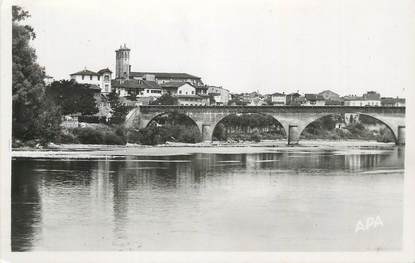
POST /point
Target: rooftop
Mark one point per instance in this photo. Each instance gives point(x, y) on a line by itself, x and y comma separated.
point(85, 72)
point(105, 70)
point(165, 75)
point(278, 94)
point(313, 97)
point(134, 84)
point(174, 84)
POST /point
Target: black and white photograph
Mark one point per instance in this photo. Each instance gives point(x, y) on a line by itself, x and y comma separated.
point(217, 131)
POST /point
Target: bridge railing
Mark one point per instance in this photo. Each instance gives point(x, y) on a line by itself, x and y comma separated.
point(286, 108)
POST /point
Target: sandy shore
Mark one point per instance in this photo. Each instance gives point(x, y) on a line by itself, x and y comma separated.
point(108, 151)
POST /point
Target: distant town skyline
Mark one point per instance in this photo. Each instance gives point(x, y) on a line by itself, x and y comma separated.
point(349, 47)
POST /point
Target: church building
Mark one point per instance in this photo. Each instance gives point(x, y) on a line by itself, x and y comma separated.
point(128, 83)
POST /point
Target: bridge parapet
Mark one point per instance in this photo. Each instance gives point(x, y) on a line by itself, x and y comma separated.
point(273, 109)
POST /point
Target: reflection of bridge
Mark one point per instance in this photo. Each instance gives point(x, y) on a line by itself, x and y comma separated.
point(294, 119)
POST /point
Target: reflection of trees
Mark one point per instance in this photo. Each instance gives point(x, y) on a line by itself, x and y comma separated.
point(26, 205)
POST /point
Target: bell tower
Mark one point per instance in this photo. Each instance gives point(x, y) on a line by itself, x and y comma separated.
point(122, 63)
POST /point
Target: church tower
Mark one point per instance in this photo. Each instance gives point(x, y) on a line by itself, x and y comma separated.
point(122, 62)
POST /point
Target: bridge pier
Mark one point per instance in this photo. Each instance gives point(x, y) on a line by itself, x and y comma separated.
point(293, 134)
point(401, 135)
point(207, 132)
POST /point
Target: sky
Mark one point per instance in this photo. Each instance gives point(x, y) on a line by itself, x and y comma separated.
point(347, 46)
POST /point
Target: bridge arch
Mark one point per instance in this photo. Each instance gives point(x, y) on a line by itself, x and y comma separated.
point(144, 123)
point(391, 127)
point(223, 118)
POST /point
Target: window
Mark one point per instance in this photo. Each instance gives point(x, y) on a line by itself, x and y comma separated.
point(180, 92)
point(148, 91)
point(83, 77)
point(90, 77)
point(106, 77)
point(193, 92)
point(99, 77)
point(106, 87)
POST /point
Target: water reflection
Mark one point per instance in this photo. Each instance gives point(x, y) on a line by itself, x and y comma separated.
point(148, 202)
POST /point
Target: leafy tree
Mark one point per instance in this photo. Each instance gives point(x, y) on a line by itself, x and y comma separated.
point(33, 117)
point(165, 99)
point(48, 122)
point(118, 109)
point(72, 97)
point(27, 78)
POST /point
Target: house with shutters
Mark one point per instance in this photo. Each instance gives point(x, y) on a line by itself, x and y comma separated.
point(100, 79)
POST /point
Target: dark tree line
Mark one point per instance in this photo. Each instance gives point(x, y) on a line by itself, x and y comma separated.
point(72, 97)
point(34, 117)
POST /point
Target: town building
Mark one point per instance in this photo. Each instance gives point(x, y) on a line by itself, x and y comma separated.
point(278, 99)
point(220, 95)
point(313, 100)
point(294, 99)
point(134, 88)
point(187, 88)
point(392, 102)
point(371, 96)
point(186, 93)
point(329, 95)
point(163, 77)
point(101, 79)
point(368, 99)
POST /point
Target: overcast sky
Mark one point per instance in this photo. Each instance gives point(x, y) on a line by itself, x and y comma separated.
point(347, 46)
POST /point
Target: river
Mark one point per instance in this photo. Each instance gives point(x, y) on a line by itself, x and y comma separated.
point(248, 199)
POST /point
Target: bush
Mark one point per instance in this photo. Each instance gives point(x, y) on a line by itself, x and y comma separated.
point(385, 135)
point(219, 133)
point(153, 135)
point(89, 136)
point(67, 138)
point(113, 139)
point(256, 137)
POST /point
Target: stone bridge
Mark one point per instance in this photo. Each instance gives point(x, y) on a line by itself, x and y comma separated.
point(294, 119)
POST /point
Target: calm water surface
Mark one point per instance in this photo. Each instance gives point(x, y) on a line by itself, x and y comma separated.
point(276, 200)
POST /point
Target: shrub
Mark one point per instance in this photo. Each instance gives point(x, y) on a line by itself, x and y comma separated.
point(385, 135)
point(67, 138)
point(89, 136)
point(111, 138)
point(256, 137)
point(121, 132)
point(220, 133)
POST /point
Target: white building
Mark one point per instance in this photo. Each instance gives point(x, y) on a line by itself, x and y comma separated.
point(186, 93)
point(149, 89)
point(101, 79)
point(220, 95)
point(278, 99)
point(360, 101)
point(136, 88)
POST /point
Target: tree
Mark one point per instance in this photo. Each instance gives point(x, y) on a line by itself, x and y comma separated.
point(165, 99)
point(27, 78)
point(48, 122)
point(72, 97)
point(34, 117)
point(118, 110)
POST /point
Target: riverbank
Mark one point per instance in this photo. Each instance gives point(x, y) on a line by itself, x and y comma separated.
point(109, 151)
